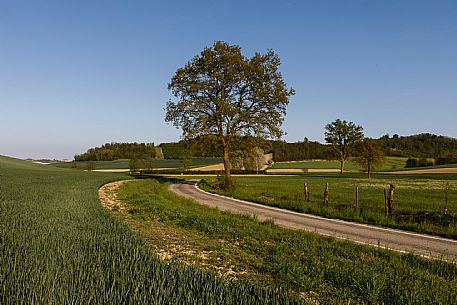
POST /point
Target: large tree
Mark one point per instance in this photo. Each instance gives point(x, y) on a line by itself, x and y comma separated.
point(221, 92)
point(343, 135)
point(370, 154)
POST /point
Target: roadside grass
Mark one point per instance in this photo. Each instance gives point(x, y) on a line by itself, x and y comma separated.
point(419, 200)
point(322, 270)
point(124, 163)
point(58, 245)
point(390, 163)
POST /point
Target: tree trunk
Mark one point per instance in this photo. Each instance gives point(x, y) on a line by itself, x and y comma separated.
point(228, 176)
point(341, 166)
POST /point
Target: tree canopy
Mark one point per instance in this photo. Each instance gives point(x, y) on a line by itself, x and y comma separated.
point(343, 135)
point(114, 151)
point(370, 155)
point(221, 92)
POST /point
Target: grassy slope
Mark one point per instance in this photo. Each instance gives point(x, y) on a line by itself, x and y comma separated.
point(321, 268)
point(59, 246)
point(124, 163)
point(419, 200)
point(389, 163)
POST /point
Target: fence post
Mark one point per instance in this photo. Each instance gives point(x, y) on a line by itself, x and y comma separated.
point(446, 197)
point(326, 194)
point(390, 199)
point(385, 202)
point(356, 206)
point(306, 192)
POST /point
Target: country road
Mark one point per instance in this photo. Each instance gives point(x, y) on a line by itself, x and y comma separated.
point(403, 241)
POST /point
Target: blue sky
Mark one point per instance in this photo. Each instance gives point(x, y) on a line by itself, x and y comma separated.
point(78, 74)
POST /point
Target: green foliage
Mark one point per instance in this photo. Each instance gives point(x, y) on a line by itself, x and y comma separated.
point(200, 147)
point(342, 135)
point(90, 166)
point(59, 246)
point(115, 151)
point(186, 161)
point(415, 162)
point(306, 150)
point(448, 159)
point(369, 155)
point(222, 93)
point(419, 199)
point(220, 89)
point(323, 269)
point(424, 145)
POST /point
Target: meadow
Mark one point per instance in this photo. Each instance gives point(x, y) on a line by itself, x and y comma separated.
point(390, 163)
point(419, 199)
point(321, 270)
point(124, 163)
point(58, 245)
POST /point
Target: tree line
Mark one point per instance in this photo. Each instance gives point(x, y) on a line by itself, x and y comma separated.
point(423, 145)
point(115, 151)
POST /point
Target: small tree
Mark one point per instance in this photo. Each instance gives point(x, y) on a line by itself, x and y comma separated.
point(90, 166)
point(147, 163)
point(222, 93)
point(186, 160)
point(343, 135)
point(258, 157)
point(370, 155)
point(134, 165)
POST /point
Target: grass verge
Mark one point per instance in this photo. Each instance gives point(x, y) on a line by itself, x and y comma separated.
point(321, 270)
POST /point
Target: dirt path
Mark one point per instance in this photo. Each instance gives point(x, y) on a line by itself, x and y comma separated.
point(107, 195)
point(301, 170)
point(403, 241)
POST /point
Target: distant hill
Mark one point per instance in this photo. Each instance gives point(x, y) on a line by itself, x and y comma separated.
point(116, 151)
point(13, 163)
point(423, 145)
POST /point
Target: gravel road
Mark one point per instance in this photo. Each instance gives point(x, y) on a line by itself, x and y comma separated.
point(403, 241)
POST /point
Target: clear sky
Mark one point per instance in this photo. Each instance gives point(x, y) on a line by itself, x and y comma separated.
point(77, 74)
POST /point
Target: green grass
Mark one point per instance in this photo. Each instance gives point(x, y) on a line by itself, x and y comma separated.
point(58, 245)
point(124, 163)
point(389, 163)
point(322, 269)
point(419, 200)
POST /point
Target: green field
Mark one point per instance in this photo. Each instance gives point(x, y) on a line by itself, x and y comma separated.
point(419, 199)
point(58, 245)
point(124, 163)
point(322, 270)
point(389, 164)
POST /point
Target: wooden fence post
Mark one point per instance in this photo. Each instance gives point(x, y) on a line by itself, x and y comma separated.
point(306, 192)
point(326, 194)
point(356, 205)
point(385, 202)
point(446, 197)
point(390, 199)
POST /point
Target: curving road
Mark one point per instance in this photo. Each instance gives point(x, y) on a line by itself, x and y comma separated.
point(425, 245)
